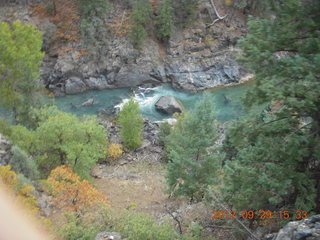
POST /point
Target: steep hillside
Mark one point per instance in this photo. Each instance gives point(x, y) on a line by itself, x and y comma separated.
point(196, 57)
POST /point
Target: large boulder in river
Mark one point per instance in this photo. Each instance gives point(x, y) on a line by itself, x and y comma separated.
point(168, 105)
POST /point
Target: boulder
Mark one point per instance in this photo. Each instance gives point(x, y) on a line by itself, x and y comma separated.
point(304, 229)
point(168, 105)
point(108, 236)
point(87, 103)
point(75, 85)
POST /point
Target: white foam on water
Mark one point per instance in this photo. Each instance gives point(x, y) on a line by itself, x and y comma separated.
point(141, 98)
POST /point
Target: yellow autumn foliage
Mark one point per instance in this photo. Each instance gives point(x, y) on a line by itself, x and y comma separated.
point(23, 192)
point(115, 150)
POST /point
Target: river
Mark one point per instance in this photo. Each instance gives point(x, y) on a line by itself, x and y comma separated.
point(227, 100)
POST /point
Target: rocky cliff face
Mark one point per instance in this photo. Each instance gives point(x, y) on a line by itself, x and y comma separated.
point(195, 58)
point(307, 229)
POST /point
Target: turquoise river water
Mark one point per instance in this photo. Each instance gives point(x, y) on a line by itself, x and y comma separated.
point(228, 104)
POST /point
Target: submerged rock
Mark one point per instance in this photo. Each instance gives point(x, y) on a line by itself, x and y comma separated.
point(87, 103)
point(168, 105)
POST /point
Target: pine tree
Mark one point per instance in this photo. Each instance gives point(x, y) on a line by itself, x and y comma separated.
point(131, 123)
point(274, 154)
point(192, 154)
point(93, 26)
point(20, 58)
point(185, 11)
point(164, 21)
point(140, 17)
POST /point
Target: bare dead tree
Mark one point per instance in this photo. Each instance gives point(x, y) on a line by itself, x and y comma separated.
point(176, 218)
point(216, 198)
point(217, 13)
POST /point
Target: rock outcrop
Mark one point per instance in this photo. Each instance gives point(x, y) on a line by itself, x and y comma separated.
point(108, 236)
point(195, 58)
point(5, 153)
point(307, 229)
point(168, 105)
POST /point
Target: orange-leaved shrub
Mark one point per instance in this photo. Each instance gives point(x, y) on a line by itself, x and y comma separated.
point(71, 193)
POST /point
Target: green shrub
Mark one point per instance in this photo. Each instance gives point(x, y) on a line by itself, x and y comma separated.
point(165, 129)
point(62, 138)
point(137, 226)
point(5, 128)
point(131, 123)
point(23, 164)
point(74, 229)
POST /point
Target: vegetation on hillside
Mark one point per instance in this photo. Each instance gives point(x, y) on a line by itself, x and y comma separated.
point(20, 59)
point(265, 161)
point(131, 123)
point(193, 158)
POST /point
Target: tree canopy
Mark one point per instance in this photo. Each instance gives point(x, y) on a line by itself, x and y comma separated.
point(275, 154)
point(20, 58)
point(131, 123)
point(193, 157)
point(62, 138)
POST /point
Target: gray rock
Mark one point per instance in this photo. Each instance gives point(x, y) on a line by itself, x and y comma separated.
point(45, 205)
point(5, 147)
point(204, 75)
point(303, 234)
point(286, 233)
point(313, 219)
point(132, 79)
point(75, 85)
point(97, 83)
point(304, 229)
point(87, 103)
point(168, 105)
point(108, 236)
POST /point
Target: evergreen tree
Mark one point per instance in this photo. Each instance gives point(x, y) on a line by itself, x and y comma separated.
point(20, 58)
point(141, 15)
point(274, 156)
point(131, 123)
point(93, 29)
point(164, 21)
point(192, 154)
point(185, 11)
